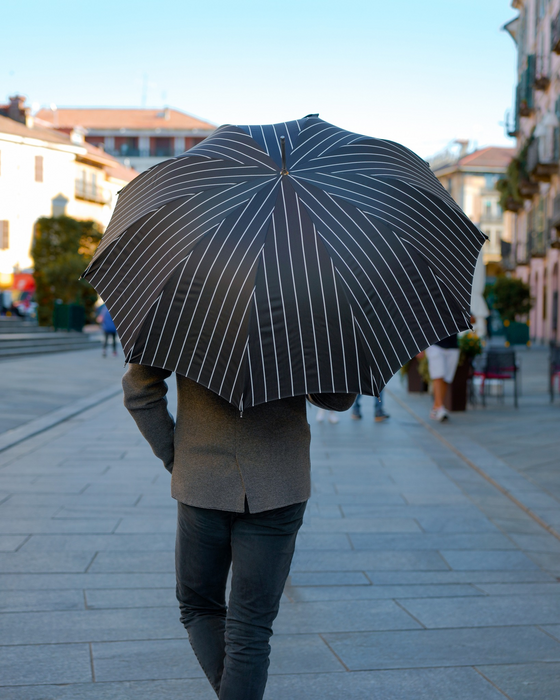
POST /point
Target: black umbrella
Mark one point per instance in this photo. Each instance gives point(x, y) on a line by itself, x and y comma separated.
point(280, 260)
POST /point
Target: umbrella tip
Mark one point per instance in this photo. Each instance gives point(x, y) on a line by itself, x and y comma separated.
point(284, 170)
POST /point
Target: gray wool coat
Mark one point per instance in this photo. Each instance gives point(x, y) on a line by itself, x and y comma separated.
point(219, 458)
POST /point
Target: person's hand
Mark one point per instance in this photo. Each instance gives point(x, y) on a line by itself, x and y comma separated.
point(421, 355)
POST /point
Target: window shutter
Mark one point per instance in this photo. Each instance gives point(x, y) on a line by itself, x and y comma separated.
point(38, 168)
point(4, 235)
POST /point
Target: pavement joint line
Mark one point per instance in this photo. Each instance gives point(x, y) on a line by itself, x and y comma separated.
point(477, 670)
point(15, 436)
point(476, 468)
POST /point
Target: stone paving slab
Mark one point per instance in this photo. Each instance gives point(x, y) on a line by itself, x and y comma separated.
point(525, 681)
point(56, 663)
point(485, 611)
point(446, 647)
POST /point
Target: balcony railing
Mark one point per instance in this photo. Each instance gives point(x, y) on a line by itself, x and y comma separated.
point(91, 192)
point(492, 218)
point(126, 153)
point(522, 253)
point(555, 34)
point(539, 166)
point(537, 243)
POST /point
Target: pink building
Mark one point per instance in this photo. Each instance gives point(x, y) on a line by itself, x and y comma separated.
point(535, 182)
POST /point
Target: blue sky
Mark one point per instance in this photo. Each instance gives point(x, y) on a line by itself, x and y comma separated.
point(422, 73)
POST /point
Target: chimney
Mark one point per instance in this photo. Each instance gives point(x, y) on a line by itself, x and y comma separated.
point(18, 111)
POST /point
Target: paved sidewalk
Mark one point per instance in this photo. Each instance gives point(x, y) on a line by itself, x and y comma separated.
point(414, 577)
point(33, 386)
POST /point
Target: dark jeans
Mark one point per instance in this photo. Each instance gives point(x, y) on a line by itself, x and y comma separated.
point(108, 335)
point(231, 643)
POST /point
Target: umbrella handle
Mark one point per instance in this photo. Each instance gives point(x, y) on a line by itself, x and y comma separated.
point(283, 149)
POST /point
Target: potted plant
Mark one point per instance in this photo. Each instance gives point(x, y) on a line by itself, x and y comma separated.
point(470, 345)
point(512, 298)
point(415, 374)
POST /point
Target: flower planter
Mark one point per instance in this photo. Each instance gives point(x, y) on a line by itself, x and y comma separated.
point(516, 333)
point(457, 392)
point(415, 381)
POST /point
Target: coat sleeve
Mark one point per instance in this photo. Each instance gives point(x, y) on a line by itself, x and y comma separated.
point(145, 392)
point(332, 402)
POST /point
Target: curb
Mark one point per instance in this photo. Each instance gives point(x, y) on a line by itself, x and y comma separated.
point(39, 425)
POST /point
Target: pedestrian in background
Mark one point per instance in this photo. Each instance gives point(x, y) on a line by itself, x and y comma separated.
point(109, 329)
point(443, 358)
point(379, 412)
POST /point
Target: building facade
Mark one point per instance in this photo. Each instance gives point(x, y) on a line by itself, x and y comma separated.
point(533, 180)
point(138, 138)
point(471, 177)
point(44, 172)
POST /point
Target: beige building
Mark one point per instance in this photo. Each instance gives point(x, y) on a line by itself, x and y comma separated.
point(470, 177)
point(138, 138)
point(44, 172)
point(534, 181)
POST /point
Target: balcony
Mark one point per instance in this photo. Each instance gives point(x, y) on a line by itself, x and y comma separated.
point(537, 243)
point(555, 34)
point(125, 153)
point(542, 82)
point(540, 166)
point(528, 189)
point(522, 253)
point(90, 192)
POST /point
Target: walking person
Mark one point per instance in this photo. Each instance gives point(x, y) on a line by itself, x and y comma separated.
point(242, 482)
point(379, 414)
point(109, 330)
point(443, 358)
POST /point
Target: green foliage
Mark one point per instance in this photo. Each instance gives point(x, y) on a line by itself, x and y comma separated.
point(470, 346)
point(512, 297)
point(508, 186)
point(62, 249)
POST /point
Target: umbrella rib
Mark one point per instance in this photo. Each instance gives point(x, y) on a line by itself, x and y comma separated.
point(239, 327)
point(446, 302)
point(271, 324)
point(283, 304)
point(324, 302)
point(362, 340)
point(169, 308)
point(150, 330)
point(342, 343)
point(308, 293)
point(294, 286)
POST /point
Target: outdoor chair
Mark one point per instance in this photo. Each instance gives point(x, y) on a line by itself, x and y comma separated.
point(500, 365)
point(554, 369)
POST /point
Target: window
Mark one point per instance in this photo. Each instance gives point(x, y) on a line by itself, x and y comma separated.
point(161, 146)
point(4, 235)
point(38, 168)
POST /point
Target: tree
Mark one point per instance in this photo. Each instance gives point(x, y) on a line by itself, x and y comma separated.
point(62, 249)
point(512, 297)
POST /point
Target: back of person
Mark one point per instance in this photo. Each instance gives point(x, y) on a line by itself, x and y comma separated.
point(241, 481)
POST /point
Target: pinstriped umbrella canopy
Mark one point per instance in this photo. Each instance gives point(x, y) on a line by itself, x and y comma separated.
point(262, 279)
